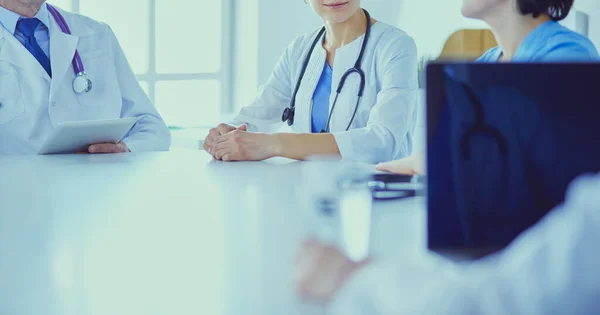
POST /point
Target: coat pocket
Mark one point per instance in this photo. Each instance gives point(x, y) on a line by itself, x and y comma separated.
point(11, 100)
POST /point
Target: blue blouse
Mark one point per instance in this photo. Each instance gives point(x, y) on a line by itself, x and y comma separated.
point(550, 42)
point(320, 107)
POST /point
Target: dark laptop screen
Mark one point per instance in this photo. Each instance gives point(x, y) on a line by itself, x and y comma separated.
point(504, 142)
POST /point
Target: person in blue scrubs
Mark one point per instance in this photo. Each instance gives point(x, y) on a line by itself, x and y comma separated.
point(547, 42)
point(525, 35)
point(527, 31)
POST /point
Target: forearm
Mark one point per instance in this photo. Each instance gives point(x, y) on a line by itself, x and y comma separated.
point(302, 146)
point(149, 133)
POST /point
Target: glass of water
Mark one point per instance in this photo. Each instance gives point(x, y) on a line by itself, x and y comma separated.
point(339, 202)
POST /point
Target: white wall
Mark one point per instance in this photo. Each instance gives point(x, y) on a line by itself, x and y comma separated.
point(592, 8)
point(431, 22)
point(245, 53)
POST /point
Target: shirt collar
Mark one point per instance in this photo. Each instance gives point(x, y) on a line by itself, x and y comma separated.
point(44, 15)
point(9, 19)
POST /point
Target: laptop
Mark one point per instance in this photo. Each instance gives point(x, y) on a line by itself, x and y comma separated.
point(504, 143)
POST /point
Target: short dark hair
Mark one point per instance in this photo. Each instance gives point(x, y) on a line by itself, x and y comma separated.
point(556, 9)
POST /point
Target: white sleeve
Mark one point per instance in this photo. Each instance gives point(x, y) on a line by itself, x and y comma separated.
point(550, 269)
point(265, 111)
point(150, 133)
point(394, 115)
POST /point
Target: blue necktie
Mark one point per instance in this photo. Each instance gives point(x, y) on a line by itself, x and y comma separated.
point(27, 27)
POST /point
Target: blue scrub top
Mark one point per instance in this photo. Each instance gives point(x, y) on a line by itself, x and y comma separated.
point(320, 107)
point(550, 42)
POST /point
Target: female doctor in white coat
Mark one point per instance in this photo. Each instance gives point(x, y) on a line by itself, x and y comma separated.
point(374, 128)
point(43, 82)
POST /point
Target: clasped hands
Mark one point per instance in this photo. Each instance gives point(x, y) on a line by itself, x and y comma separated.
point(229, 143)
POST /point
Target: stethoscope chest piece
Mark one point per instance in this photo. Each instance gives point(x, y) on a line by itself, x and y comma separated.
point(288, 115)
point(82, 84)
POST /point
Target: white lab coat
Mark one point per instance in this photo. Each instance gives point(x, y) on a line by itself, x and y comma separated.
point(32, 104)
point(386, 117)
point(551, 269)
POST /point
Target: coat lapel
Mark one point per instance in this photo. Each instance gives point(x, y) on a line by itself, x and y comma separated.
point(308, 86)
point(62, 52)
point(13, 52)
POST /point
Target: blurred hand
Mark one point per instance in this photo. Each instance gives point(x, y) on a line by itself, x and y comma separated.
point(108, 148)
point(322, 270)
point(215, 133)
point(240, 145)
point(412, 165)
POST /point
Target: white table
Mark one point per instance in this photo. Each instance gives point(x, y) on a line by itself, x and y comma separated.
point(190, 138)
point(162, 233)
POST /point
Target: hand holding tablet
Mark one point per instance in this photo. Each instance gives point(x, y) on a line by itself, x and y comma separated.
point(97, 136)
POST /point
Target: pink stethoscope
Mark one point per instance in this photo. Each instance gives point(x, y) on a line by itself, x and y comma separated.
point(81, 83)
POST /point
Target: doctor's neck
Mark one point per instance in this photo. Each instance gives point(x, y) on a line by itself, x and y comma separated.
point(26, 8)
point(511, 28)
point(343, 33)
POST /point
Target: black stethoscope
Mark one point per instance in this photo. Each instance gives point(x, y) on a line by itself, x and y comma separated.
point(290, 112)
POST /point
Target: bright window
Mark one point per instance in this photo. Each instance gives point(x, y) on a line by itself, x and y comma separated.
point(179, 51)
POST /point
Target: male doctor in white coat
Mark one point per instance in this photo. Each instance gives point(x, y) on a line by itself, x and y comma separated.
point(36, 81)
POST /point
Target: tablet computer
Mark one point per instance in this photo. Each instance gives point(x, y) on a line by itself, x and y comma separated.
point(76, 136)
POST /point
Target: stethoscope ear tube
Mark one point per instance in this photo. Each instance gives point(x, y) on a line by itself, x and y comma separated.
point(290, 112)
point(363, 80)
